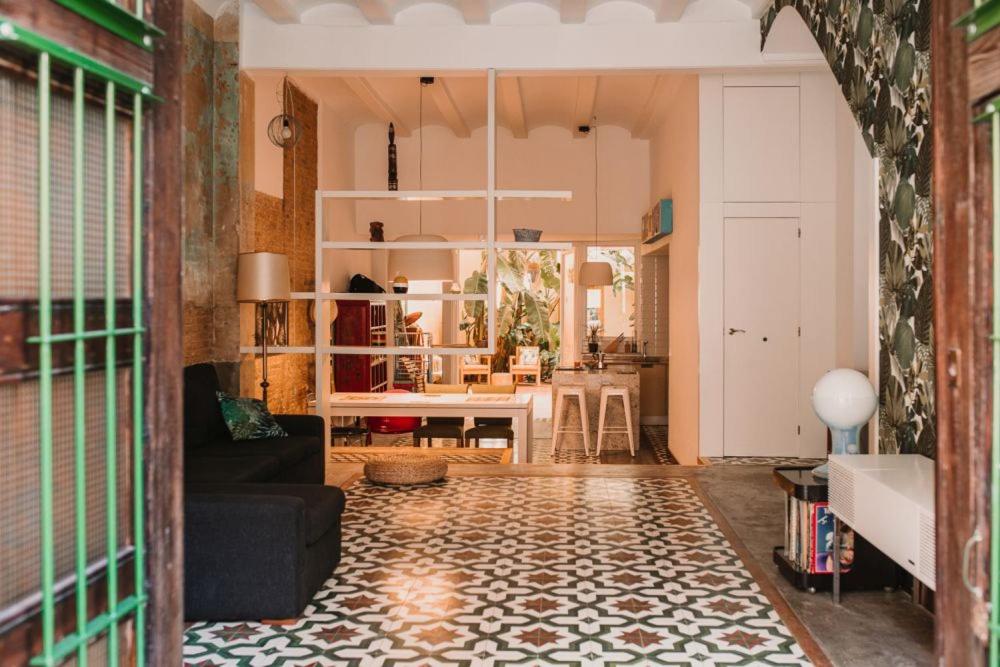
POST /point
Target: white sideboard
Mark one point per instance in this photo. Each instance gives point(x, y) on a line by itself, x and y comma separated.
point(889, 500)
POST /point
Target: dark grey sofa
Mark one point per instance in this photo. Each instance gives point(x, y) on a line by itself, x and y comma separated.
point(261, 531)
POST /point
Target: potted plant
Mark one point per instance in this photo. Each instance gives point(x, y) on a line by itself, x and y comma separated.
point(593, 337)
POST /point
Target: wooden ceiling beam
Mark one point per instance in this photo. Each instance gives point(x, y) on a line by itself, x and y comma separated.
point(671, 10)
point(648, 117)
point(475, 12)
point(364, 91)
point(572, 11)
point(376, 11)
point(586, 99)
point(280, 11)
point(446, 105)
point(512, 101)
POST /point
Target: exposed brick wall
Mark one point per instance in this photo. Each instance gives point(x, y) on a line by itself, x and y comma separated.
point(224, 215)
point(287, 226)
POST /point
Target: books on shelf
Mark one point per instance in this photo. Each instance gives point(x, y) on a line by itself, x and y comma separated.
point(809, 537)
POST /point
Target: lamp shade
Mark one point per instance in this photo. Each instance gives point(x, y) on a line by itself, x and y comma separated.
point(423, 264)
point(262, 277)
point(596, 274)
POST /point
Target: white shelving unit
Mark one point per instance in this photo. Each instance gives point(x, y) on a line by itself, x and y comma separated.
point(323, 296)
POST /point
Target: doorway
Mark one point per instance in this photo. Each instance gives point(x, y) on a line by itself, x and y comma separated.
point(761, 351)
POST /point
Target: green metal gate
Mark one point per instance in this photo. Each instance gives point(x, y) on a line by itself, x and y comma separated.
point(75, 336)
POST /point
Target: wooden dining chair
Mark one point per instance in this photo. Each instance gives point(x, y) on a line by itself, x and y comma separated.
point(442, 427)
point(526, 361)
point(476, 365)
point(492, 427)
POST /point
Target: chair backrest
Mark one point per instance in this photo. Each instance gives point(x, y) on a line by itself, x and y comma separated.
point(528, 355)
point(493, 389)
point(447, 389)
point(415, 369)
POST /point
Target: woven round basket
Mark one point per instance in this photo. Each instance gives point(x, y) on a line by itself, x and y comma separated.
point(405, 469)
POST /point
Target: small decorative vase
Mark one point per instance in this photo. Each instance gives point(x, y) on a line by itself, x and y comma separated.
point(592, 347)
point(376, 231)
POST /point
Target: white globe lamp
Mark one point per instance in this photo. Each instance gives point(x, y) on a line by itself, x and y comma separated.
point(844, 400)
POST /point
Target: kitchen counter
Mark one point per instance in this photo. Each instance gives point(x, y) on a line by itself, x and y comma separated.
point(592, 380)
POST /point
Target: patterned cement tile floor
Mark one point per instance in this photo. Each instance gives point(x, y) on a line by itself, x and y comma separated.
point(482, 571)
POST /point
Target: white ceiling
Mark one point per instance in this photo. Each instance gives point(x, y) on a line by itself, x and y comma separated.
point(498, 12)
point(634, 101)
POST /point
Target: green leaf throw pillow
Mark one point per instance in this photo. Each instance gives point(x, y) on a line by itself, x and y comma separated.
point(248, 418)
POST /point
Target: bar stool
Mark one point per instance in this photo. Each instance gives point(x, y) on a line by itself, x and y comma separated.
point(607, 392)
point(557, 428)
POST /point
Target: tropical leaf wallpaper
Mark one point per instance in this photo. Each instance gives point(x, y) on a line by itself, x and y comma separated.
point(879, 51)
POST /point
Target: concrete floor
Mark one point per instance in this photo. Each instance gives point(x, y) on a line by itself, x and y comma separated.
point(868, 629)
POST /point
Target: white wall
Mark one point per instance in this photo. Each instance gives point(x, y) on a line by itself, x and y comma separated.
point(550, 158)
point(779, 145)
point(674, 174)
point(336, 172)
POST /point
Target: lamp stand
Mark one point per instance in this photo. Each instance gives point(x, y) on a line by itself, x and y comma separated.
point(264, 384)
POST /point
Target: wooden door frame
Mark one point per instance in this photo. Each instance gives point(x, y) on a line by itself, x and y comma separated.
point(962, 310)
point(164, 467)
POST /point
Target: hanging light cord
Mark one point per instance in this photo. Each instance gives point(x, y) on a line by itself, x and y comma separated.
point(420, 162)
point(596, 162)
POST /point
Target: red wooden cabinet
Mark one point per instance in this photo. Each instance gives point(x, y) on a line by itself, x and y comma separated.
point(361, 323)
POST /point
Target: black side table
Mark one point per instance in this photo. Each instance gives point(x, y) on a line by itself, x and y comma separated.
point(870, 569)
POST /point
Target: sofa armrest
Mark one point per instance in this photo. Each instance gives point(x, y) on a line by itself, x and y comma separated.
point(244, 555)
point(301, 424)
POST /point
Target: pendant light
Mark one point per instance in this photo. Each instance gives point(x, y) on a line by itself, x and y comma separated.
point(425, 264)
point(595, 274)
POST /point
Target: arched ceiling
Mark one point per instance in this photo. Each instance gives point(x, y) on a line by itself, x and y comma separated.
point(633, 101)
point(499, 12)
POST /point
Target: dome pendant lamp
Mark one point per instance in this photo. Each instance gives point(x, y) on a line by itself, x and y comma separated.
point(424, 264)
point(595, 274)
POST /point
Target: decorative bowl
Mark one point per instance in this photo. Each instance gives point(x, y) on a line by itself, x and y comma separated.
point(522, 235)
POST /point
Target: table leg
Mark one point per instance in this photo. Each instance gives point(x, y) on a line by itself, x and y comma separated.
point(530, 449)
point(836, 560)
point(521, 452)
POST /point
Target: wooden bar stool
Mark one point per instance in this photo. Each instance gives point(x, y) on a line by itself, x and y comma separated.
point(557, 425)
point(622, 392)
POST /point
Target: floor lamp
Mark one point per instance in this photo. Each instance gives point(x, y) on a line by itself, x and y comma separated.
point(262, 277)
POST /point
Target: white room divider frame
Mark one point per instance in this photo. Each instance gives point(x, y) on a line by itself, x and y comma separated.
point(324, 349)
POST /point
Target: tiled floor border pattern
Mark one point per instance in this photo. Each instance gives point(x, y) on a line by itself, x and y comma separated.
point(484, 571)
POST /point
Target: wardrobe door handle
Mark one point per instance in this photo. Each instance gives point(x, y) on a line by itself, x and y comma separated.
point(733, 331)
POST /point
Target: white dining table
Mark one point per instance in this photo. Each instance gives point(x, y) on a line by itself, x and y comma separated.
point(519, 407)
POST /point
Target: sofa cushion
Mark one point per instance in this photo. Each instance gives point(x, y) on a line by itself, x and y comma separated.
point(323, 504)
point(288, 451)
point(199, 468)
point(248, 418)
point(203, 421)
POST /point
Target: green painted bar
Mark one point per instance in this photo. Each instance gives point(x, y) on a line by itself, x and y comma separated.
point(12, 32)
point(95, 626)
point(45, 358)
point(79, 367)
point(138, 504)
point(110, 386)
point(995, 454)
point(87, 335)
